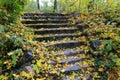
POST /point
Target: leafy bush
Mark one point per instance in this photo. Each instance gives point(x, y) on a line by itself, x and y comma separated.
point(11, 41)
point(101, 28)
point(10, 10)
point(14, 37)
point(16, 40)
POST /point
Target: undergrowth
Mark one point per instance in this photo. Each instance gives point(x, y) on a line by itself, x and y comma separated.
point(17, 41)
point(104, 26)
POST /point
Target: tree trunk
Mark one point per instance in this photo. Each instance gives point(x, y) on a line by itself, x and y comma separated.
point(38, 4)
point(55, 5)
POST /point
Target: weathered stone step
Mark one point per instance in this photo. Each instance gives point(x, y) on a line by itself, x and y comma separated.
point(45, 17)
point(75, 68)
point(65, 44)
point(38, 26)
point(56, 31)
point(58, 37)
point(44, 14)
point(68, 60)
point(72, 68)
point(79, 78)
point(70, 52)
point(44, 21)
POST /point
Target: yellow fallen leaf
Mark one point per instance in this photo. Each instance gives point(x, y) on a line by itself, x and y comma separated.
point(118, 72)
point(16, 76)
point(101, 69)
point(85, 63)
point(40, 79)
point(10, 53)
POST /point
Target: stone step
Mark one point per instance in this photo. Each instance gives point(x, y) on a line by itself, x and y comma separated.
point(45, 17)
point(79, 78)
point(56, 31)
point(65, 44)
point(68, 60)
point(44, 21)
point(72, 68)
point(56, 37)
point(38, 26)
point(44, 14)
point(75, 68)
point(70, 52)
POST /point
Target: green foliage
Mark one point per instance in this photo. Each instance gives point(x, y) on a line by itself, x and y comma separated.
point(109, 50)
point(12, 40)
point(82, 6)
point(2, 2)
point(31, 6)
point(15, 39)
point(2, 28)
point(104, 25)
point(10, 10)
point(13, 36)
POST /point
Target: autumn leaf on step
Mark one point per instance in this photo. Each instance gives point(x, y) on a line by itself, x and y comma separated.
point(52, 42)
point(35, 67)
point(8, 64)
point(40, 79)
point(66, 39)
point(72, 76)
point(101, 69)
point(24, 74)
point(95, 74)
point(37, 50)
point(16, 75)
point(82, 55)
point(43, 43)
point(85, 63)
point(58, 59)
point(65, 65)
point(82, 47)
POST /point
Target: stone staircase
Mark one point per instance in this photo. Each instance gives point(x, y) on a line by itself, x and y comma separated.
point(58, 31)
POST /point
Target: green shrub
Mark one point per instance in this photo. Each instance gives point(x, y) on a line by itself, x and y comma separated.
point(12, 40)
point(10, 10)
point(13, 35)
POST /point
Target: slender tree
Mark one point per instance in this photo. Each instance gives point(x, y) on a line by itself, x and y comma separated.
point(55, 5)
point(38, 4)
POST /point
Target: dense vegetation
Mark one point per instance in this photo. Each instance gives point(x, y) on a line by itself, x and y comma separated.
point(69, 5)
point(16, 41)
point(13, 36)
point(104, 26)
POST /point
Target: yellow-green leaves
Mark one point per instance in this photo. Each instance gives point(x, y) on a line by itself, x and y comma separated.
point(35, 67)
point(117, 61)
point(2, 2)
point(26, 75)
point(10, 53)
point(8, 64)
